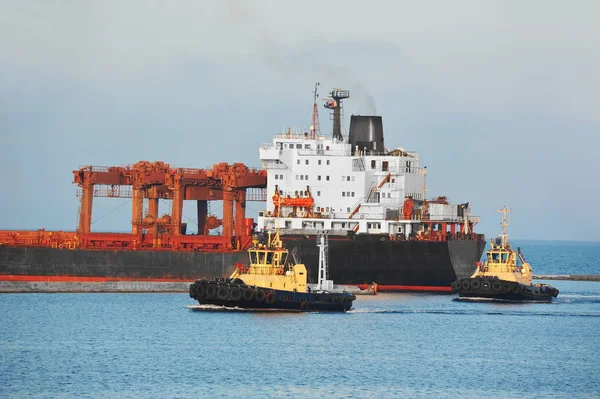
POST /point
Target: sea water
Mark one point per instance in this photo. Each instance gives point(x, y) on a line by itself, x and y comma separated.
point(387, 346)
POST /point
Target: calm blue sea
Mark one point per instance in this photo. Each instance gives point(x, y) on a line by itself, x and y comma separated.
point(388, 346)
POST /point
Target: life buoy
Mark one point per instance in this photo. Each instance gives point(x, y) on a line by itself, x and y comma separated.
point(248, 294)
point(486, 285)
point(259, 296)
point(270, 298)
point(210, 291)
point(475, 283)
point(496, 286)
point(235, 294)
point(223, 292)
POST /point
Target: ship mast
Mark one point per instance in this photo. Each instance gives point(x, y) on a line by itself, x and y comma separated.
point(323, 283)
point(504, 224)
point(315, 128)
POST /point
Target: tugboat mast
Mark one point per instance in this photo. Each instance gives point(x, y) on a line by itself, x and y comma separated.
point(504, 224)
point(323, 282)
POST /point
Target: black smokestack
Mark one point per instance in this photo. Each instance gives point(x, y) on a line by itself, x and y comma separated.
point(366, 132)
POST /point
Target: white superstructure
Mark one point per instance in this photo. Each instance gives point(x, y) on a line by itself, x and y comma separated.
point(354, 189)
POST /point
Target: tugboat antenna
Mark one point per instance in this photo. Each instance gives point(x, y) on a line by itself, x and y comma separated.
point(504, 224)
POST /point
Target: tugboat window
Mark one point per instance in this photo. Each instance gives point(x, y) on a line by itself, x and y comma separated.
point(504, 257)
point(269, 258)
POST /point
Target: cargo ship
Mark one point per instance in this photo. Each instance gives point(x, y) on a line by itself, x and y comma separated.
point(370, 200)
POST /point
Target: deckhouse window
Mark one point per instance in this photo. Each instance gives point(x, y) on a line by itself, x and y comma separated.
point(306, 162)
point(298, 162)
point(319, 162)
point(373, 164)
point(299, 146)
point(328, 161)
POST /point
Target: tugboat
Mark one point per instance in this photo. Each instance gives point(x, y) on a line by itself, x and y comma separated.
point(269, 282)
point(501, 278)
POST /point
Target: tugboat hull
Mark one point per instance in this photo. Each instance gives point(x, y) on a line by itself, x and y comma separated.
point(234, 294)
point(502, 290)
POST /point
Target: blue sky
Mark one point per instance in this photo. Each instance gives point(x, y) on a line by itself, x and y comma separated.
point(500, 98)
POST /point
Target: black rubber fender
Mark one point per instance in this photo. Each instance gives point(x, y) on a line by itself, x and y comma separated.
point(247, 294)
point(199, 290)
point(465, 284)
point(496, 286)
point(515, 289)
point(259, 296)
point(475, 283)
point(486, 285)
point(210, 291)
point(270, 297)
point(193, 290)
point(235, 294)
point(506, 286)
point(223, 292)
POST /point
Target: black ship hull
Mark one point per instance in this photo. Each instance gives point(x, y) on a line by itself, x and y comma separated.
point(394, 265)
point(501, 290)
point(232, 295)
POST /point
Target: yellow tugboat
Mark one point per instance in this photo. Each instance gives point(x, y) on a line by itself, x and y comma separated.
point(500, 277)
point(270, 283)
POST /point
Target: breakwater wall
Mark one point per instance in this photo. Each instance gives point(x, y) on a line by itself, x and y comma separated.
point(572, 277)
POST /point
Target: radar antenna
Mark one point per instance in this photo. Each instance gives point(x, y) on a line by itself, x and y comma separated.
point(504, 224)
point(334, 103)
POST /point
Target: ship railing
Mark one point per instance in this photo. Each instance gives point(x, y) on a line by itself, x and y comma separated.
point(114, 191)
point(256, 194)
point(273, 164)
point(449, 219)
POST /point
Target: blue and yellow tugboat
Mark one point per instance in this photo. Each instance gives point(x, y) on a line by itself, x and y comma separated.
point(500, 277)
point(270, 282)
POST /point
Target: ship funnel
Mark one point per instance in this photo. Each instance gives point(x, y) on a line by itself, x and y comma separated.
point(366, 132)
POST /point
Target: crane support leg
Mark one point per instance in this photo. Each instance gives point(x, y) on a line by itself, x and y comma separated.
point(85, 216)
point(177, 208)
point(202, 209)
point(228, 213)
point(240, 212)
point(137, 209)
